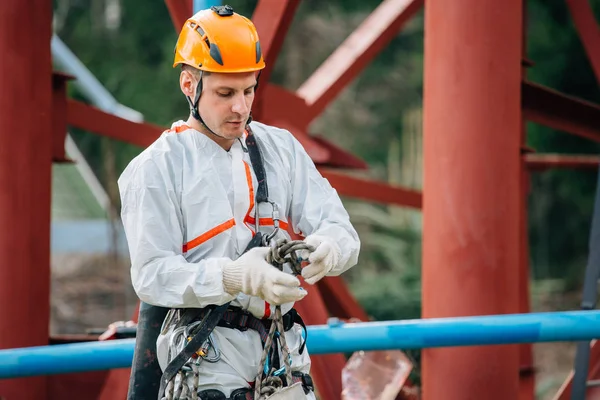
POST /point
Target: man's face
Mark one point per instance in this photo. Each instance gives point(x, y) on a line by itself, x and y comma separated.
point(226, 102)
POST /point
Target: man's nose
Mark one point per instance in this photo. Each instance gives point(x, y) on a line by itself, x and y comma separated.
point(239, 105)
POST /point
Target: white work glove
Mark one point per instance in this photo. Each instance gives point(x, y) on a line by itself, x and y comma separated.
point(326, 256)
point(253, 275)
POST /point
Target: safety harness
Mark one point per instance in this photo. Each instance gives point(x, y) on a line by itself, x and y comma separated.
point(145, 369)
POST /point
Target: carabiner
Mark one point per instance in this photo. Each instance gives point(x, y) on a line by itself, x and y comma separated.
point(176, 342)
point(212, 343)
point(275, 216)
point(208, 343)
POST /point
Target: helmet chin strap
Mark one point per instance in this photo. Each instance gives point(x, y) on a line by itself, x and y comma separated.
point(196, 112)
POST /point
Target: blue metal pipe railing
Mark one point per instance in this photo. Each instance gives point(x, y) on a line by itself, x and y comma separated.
point(204, 4)
point(88, 84)
point(333, 338)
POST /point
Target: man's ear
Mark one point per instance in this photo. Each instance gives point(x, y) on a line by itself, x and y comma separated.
point(187, 83)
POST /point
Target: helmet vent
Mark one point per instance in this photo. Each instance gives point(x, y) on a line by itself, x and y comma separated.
point(215, 53)
point(258, 52)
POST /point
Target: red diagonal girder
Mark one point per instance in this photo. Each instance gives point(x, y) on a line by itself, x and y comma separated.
point(286, 110)
point(559, 111)
point(180, 11)
point(339, 299)
point(589, 31)
point(272, 19)
point(92, 119)
point(356, 52)
point(370, 190)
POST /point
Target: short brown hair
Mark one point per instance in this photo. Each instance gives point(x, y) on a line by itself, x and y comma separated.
point(194, 71)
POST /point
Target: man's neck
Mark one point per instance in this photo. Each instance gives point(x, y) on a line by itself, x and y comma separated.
point(195, 124)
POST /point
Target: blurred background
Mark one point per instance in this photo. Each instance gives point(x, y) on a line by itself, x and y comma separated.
point(128, 45)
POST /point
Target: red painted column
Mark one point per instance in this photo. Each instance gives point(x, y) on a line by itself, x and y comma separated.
point(25, 181)
point(472, 191)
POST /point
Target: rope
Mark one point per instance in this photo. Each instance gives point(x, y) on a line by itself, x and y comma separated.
point(284, 251)
point(268, 380)
point(179, 387)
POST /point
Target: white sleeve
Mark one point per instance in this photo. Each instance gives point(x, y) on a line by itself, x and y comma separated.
point(153, 223)
point(317, 209)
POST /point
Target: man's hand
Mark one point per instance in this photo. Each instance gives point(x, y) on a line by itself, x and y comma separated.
point(253, 275)
point(326, 256)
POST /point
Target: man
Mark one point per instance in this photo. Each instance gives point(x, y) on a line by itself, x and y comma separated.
point(189, 207)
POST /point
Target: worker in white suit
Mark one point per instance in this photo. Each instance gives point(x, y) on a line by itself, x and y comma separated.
point(189, 209)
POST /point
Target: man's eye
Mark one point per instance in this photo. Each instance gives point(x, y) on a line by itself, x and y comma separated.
point(226, 94)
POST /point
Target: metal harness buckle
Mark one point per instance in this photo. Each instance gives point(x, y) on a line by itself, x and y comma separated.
point(275, 216)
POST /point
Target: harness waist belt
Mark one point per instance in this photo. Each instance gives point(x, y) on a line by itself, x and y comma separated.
point(236, 318)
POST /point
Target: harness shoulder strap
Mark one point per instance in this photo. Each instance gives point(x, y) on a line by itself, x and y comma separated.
point(256, 158)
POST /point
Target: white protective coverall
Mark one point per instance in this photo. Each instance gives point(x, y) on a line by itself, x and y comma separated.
point(188, 209)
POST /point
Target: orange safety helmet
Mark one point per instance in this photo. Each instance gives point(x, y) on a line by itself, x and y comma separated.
point(219, 40)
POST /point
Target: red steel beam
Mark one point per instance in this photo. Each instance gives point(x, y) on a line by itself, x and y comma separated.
point(339, 300)
point(472, 190)
point(59, 116)
point(25, 184)
point(356, 52)
point(272, 19)
point(83, 116)
point(589, 31)
point(558, 111)
point(288, 110)
point(365, 189)
point(542, 162)
point(283, 105)
point(338, 157)
point(180, 11)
